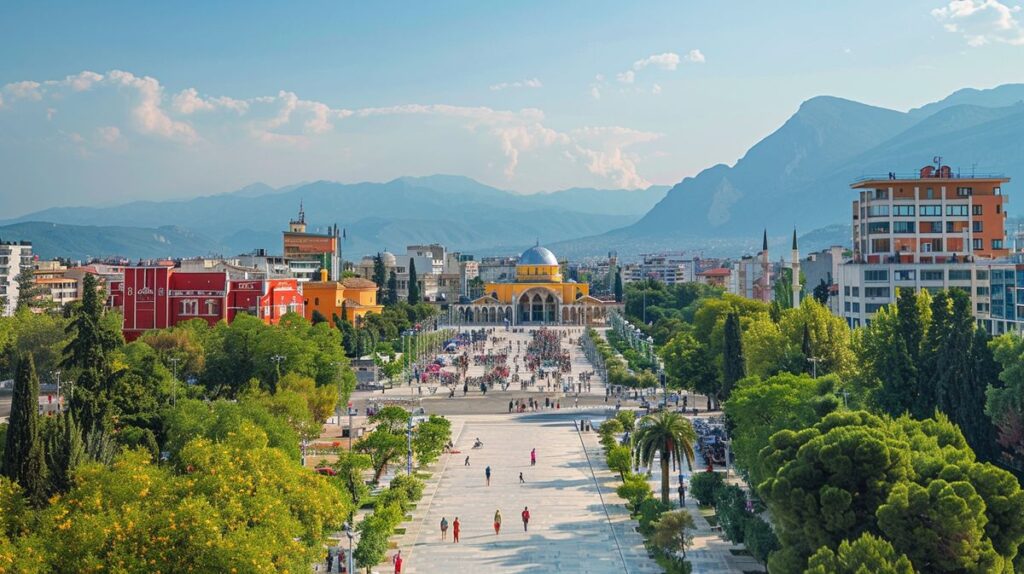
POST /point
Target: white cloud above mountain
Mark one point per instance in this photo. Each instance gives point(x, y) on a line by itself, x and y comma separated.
point(982, 22)
point(531, 83)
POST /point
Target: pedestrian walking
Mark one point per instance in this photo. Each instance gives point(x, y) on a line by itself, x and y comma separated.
point(510, 406)
point(330, 560)
point(526, 518)
point(397, 560)
point(456, 527)
point(467, 460)
point(533, 457)
point(487, 474)
point(682, 494)
point(497, 522)
point(444, 528)
point(521, 481)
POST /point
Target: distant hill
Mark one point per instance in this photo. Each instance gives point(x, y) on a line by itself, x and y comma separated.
point(84, 242)
point(456, 211)
point(799, 175)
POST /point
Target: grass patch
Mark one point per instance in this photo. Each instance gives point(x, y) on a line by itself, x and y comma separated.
point(407, 517)
point(399, 531)
point(712, 520)
point(422, 475)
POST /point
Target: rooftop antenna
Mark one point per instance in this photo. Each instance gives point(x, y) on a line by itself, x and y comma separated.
point(937, 160)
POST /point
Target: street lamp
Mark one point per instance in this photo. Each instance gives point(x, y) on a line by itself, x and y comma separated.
point(277, 359)
point(347, 528)
point(814, 365)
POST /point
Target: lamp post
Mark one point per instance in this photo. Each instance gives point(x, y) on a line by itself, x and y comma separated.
point(814, 366)
point(408, 435)
point(347, 528)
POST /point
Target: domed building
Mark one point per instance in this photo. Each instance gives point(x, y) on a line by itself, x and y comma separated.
point(537, 296)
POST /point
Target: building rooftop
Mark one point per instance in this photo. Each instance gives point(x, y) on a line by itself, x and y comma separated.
point(936, 172)
point(538, 255)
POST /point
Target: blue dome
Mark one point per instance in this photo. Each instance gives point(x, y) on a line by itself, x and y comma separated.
point(538, 255)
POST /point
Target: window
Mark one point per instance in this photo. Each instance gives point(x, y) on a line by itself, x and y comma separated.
point(878, 210)
point(964, 191)
point(846, 290)
point(931, 211)
point(959, 274)
point(903, 210)
point(876, 292)
point(976, 210)
point(905, 274)
point(977, 244)
point(190, 307)
point(999, 208)
point(931, 227)
point(212, 307)
point(846, 306)
point(981, 291)
point(856, 291)
point(981, 274)
point(880, 246)
point(316, 301)
point(930, 193)
point(876, 275)
point(878, 227)
point(881, 194)
point(997, 244)
point(903, 227)
point(931, 275)
point(956, 210)
point(976, 226)
point(873, 307)
point(856, 307)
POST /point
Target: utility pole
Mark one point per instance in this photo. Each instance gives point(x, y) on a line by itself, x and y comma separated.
point(408, 434)
point(814, 366)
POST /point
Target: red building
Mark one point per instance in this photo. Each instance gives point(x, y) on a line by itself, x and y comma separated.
point(158, 297)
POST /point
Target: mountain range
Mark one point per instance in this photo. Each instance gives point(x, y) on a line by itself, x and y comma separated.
point(458, 212)
point(796, 177)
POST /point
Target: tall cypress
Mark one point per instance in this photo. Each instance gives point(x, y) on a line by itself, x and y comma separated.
point(733, 368)
point(932, 362)
point(23, 452)
point(911, 327)
point(618, 286)
point(976, 425)
point(65, 451)
point(953, 361)
point(805, 348)
point(897, 373)
point(414, 283)
point(379, 276)
point(392, 296)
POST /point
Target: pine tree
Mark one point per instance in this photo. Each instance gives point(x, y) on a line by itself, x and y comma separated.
point(976, 425)
point(317, 317)
point(911, 326)
point(380, 275)
point(954, 361)
point(732, 356)
point(23, 451)
point(414, 283)
point(91, 340)
point(65, 451)
point(618, 287)
point(898, 375)
point(29, 292)
point(392, 296)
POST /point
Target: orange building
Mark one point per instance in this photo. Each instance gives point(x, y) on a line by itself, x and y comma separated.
point(929, 218)
point(351, 298)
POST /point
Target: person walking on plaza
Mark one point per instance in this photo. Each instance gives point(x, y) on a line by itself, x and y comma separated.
point(456, 526)
point(497, 522)
point(533, 457)
point(682, 494)
point(398, 562)
point(467, 461)
point(330, 560)
point(444, 528)
point(487, 474)
point(526, 518)
point(521, 481)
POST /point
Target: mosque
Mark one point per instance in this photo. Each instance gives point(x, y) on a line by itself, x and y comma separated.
point(537, 296)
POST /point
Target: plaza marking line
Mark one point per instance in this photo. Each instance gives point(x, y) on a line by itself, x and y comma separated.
point(604, 505)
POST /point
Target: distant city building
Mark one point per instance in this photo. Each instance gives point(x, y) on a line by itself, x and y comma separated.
point(715, 277)
point(161, 296)
point(351, 298)
point(306, 253)
point(443, 276)
point(932, 230)
point(668, 268)
point(753, 274)
point(15, 257)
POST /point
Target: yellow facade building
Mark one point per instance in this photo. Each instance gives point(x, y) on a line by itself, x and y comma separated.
point(352, 298)
point(538, 296)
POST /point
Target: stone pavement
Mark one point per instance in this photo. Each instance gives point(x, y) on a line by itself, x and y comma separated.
point(571, 529)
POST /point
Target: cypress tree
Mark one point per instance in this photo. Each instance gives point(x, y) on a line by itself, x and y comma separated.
point(953, 361)
point(317, 317)
point(976, 425)
point(898, 374)
point(65, 451)
point(392, 296)
point(414, 283)
point(911, 327)
point(618, 286)
point(23, 452)
point(932, 362)
point(379, 275)
point(733, 368)
point(805, 348)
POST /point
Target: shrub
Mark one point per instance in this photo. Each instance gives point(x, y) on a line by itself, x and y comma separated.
point(731, 507)
point(627, 418)
point(760, 538)
point(412, 486)
point(634, 489)
point(650, 511)
point(620, 459)
point(704, 486)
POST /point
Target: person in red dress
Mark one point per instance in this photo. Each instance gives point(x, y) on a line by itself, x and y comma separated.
point(456, 526)
point(526, 518)
point(398, 562)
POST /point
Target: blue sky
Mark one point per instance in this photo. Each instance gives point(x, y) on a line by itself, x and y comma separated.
point(106, 102)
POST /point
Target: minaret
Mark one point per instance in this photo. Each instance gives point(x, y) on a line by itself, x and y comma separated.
point(766, 269)
point(795, 265)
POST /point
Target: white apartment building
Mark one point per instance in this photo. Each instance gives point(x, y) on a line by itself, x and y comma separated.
point(15, 257)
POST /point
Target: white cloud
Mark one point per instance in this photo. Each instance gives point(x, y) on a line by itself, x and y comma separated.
point(627, 77)
point(519, 144)
point(656, 89)
point(532, 83)
point(665, 61)
point(982, 22)
point(695, 56)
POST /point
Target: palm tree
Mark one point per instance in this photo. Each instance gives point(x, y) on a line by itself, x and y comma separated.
point(669, 434)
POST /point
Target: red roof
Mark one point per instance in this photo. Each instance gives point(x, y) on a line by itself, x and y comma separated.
point(716, 272)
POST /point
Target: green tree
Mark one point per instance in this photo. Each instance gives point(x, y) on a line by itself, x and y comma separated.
point(373, 541)
point(350, 467)
point(733, 366)
point(887, 358)
point(317, 317)
point(380, 276)
point(384, 448)
point(87, 354)
point(634, 489)
point(430, 437)
point(392, 294)
point(1004, 402)
point(731, 509)
point(865, 554)
point(672, 437)
point(618, 286)
point(30, 293)
point(759, 538)
point(821, 292)
point(673, 531)
point(23, 460)
point(620, 459)
point(687, 364)
point(970, 414)
point(704, 487)
point(931, 356)
point(65, 452)
point(414, 283)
